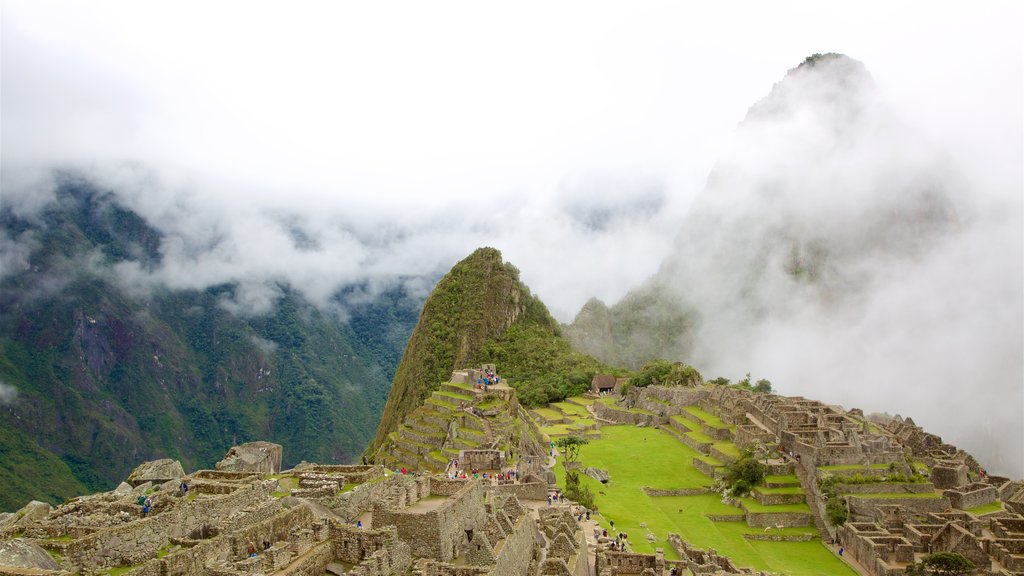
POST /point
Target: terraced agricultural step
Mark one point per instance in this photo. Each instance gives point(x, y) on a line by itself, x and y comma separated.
point(409, 434)
point(777, 496)
point(450, 398)
point(466, 390)
point(433, 417)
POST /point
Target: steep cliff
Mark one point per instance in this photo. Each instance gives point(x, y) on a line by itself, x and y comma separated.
point(481, 312)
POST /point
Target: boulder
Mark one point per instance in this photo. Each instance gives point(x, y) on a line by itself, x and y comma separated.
point(157, 472)
point(597, 474)
point(31, 513)
point(259, 457)
point(123, 488)
point(24, 554)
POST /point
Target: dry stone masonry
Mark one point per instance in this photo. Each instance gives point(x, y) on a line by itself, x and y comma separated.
point(461, 489)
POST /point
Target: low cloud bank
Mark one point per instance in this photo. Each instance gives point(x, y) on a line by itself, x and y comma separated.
point(839, 254)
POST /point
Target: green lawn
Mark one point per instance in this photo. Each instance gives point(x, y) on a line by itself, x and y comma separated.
point(690, 424)
point(844, 467)
point(898, 495)
point(727, 448)
point(987, 508)
point(786, 490)
point(572, 409)
point(637, 457)
point(549, 414)
point(707, 417)
point(787, 479)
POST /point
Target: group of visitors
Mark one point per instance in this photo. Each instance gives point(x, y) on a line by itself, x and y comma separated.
point(147, 504)
point(252, 551)
point(488, 378)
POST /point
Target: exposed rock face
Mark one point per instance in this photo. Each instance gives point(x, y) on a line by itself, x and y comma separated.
point(260, 457)
point(34, 511)
point(597, 474)
point(24, 554)
point(157, 472)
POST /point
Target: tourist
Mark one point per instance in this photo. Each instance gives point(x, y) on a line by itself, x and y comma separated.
point(183, 488)
point(840, 550)
point(359, 523)
point(251, 550)
point(588, 514)
point(266, 545)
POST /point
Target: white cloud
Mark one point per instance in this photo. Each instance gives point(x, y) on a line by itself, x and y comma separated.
point(326, 144)
point(8, 393)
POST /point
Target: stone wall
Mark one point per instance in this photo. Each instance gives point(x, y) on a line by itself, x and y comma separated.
point(352, 504)
point(525, 491)
point(514, 557)
point(138, 541)
point(675, 491)
point(784, 519)
point(971, 496)
point(750, 435)
point(614, 563)
point(867, 507)
point(482, 459)
point(885, 488)
point(438, 533)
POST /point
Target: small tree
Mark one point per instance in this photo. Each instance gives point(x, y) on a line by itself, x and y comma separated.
point(941, 564)
point(746, 472)
point(570, 446)
point(764, 386)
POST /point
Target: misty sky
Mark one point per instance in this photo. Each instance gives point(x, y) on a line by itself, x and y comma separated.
point(330, 143)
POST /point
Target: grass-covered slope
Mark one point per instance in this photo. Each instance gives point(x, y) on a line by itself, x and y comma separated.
point(481, 312)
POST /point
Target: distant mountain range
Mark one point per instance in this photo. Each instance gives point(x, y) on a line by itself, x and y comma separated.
point(822, 191)
point(106, 378)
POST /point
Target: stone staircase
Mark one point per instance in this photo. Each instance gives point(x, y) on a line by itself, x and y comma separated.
point(810, 487)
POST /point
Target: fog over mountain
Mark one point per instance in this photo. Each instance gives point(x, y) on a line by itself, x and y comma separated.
point(332, 146)
point(839, 253)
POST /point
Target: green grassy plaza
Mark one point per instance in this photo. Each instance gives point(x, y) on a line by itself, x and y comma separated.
point(637, 457)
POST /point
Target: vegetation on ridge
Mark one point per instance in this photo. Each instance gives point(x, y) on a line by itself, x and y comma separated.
point(480, 312)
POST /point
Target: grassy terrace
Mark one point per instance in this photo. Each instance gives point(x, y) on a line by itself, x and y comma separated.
point(549, 414)
point(566, 430)
point(786, 490)
point(690, 424)
point(707, 417)
point(572, 409)
point(453, 395)
point(787, 479)
point(727, 448)
point(754, 506)
point(880, 495)
point(986, 508)
point(637, 457)
point(844, 467)
point(610, 401)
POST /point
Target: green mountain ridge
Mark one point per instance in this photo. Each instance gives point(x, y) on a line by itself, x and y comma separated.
point(106, 379)
point(481, 312)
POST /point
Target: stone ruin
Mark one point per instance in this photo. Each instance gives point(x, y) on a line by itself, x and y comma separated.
point(258, 457)
point(248, 516)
